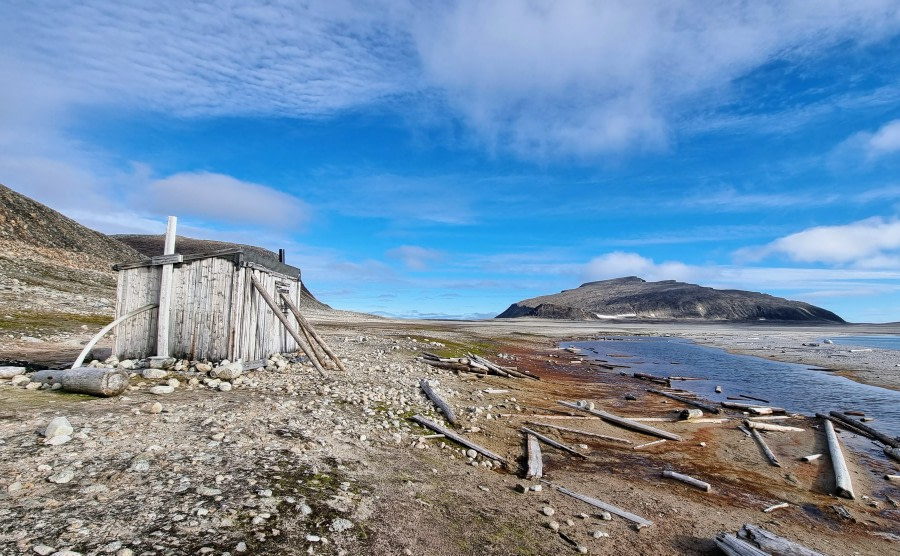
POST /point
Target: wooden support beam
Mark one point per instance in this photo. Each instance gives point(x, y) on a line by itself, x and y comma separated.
point(87, 348)
point(312, 331)
point(623, 422)
point(284, 321)
point(165, 292)
point(843, 485)
point(438, 401)
point(535, 461)
point(457, 438)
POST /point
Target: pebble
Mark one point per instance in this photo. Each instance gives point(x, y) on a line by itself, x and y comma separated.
point(154, 374)
point(66, 553)
point(156, 408)
point(173, 382)
point(140, 466)
point(43, 549)
point(548, 511)
point(554, 526)
point(537, 488)
point(159, 390)
point(241, 546)
point(10, 372)
point(471, 453)
point(205, 368)
point(62, 477)
point(32, 385)
point(606, 516)
point(59, 426)
point(225, 387)
point(313, 538)
point(206, 491)
point(125, 552)
point(20, 379)
point(265, 493)
point(600, 534)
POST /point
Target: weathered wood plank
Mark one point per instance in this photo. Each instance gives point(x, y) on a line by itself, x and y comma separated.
point(842, 484)
point(457, 438)
point(165, 293)
point(438, 401)
point(623, 422)
point(535, 460)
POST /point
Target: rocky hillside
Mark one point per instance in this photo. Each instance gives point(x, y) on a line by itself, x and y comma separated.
point(635, 298)
point(152, 245)
point(53, 269)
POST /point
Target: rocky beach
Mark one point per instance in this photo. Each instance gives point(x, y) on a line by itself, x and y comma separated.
point(281, 461)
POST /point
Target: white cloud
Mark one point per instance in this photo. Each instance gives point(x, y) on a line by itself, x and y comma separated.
point(869, 243)
point(618, 264)
point(415, 257)
point(582, 77)
point(886, 139)
point(221, 198)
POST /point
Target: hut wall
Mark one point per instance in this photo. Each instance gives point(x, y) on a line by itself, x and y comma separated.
point(216, 313)
point(257, 332)
point(136, 337)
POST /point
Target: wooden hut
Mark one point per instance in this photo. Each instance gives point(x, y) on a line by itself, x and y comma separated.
point(210, 308)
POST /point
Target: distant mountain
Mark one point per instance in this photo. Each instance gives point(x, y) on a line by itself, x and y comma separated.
point(51, 265)
point(152, 245)
point(635, 298)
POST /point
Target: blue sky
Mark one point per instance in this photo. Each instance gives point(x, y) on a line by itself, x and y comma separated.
point(449, 158)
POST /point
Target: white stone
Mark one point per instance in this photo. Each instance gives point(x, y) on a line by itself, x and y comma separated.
point(228, 371)
point(154, 374)
point(173, 382)
point(606, 516)
point(21, 379)
point(159, 390)
point(59, 426)
point(156, 408)
point(112, 547)
point(127, 364)
point(10, 372)
point(241, 547)
point(548, 511)
point(203, 367)
point(43, 549)
point(471, 453)
point(265, 493)
point(62, 477)
point(225, 387)
point(554, 526)
point(58, 440)
point(140, 466)
point(125, 552)
point(32, 385)
point(600, 534)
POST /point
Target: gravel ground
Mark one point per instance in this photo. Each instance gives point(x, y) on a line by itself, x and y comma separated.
point(285, 463)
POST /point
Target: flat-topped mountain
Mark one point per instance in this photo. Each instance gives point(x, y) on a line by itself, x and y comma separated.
point(635, 298)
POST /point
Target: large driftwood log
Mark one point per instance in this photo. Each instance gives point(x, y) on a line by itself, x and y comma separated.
point(843, 485)
point(623, 422)
point(687, 479)
point(773, 544)
point(769, 427)
point(312, 331)
point(765, 447)
point(682, 399)
point(86, 380)
point(438, 401)
point(883, 438)
point(733, 546)
point(892, 452)
point(750, 406)
point(287, 326)
point(551, 442)
point(535, 461)
point(640, 521)
point(578, 431)
point(457, 438)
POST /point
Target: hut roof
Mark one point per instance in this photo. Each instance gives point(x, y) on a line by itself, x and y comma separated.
point(240, 256)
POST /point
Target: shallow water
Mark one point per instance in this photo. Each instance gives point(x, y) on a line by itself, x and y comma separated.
point(791, 386)
point(880, 342)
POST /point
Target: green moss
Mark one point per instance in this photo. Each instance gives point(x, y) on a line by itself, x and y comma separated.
point(28, 320)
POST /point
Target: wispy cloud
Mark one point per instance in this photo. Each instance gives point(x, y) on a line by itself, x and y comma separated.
point(415, 257)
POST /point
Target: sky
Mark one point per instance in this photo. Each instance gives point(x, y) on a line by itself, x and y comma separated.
point(449, 158)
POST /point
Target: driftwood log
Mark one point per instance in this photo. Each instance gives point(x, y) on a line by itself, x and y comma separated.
point(842, 483)
point(682, 399)
point(457, 438)
point(86, 380)
point(550, 442)
point(883, 438)
point(687, 479)
point(765, 447)
point(535, 461)
point(624, 423)
point(438, 401)
point(769, 427)
point(733, 546)
point(773, 544)
point(640, 521)
point(892, 452)
point(751, 406)
point(578, 431)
